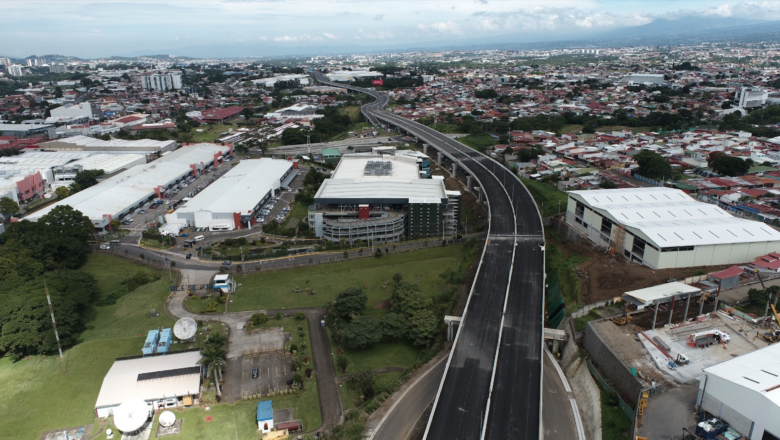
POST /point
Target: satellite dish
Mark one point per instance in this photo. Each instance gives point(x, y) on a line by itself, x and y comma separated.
point(185, 328)
point(131, 415)
point(167, 419)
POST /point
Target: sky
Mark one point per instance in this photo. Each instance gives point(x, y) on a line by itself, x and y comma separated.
point(95, 28)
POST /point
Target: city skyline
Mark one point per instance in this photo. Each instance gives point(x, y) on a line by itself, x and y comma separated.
point(89, 29)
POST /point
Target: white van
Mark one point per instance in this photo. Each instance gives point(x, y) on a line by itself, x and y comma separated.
point(199, 238)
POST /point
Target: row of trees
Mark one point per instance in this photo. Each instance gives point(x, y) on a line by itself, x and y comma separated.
point(46, 252)
point(655, 166)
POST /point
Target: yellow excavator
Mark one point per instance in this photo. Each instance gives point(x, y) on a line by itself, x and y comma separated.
point(623, 319)
point(773, 335)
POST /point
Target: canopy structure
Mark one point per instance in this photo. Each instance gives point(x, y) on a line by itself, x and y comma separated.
point(131, 415)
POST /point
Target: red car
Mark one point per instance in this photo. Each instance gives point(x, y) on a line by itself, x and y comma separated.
point(154, 206)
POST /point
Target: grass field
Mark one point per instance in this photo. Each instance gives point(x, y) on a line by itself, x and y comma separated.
point(384, 354)
point(274, 290)
point(547, 197)
point(211, 132)
point(478, 141)
point(571, 128)
point(298, 211)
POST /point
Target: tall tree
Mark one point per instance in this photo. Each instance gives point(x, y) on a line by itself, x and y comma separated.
point(62, 192)
point(653, 165)
point(729, 165)
point(363, 332)
point(8, 206)
point(350, 302)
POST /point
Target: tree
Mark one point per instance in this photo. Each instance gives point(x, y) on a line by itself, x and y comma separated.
point(407, 299)
point(394, 325)
point(653, 165)
point(350, 301)
point(486, 94)
point(86, 178)
point(62, 192)
point(729, 165)
point(8, 206)
point(25, 323)
point(422, 327)
point(57, 92)
point(607, 184)
point(363, 332)
point(363, 381)
point(213, 359)
point(342, 362)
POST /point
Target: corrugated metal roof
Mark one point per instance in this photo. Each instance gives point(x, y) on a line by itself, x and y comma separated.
point(121, 382)
point(671, 218)
point(758, 371)
point(661, 292)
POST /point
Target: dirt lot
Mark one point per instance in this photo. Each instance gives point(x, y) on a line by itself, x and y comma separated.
point(625, 344)
point(605, 276)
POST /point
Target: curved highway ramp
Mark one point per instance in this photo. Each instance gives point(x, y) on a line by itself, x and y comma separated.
point(491, 387)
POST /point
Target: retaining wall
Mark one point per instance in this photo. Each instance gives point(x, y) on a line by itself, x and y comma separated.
point(618, 374)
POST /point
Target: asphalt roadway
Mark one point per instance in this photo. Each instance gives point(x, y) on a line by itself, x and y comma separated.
point(492, 384)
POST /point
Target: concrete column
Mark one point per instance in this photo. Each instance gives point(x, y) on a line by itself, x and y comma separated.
point(425, 148)
point(701, 305)
point(468, 182)
point(671, 311)
point(687, 303)
point(556, 346)
point(655, 315)
point(454, 169)
point(439, 157)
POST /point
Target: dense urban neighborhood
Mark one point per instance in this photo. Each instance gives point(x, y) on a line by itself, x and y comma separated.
point(576, 243)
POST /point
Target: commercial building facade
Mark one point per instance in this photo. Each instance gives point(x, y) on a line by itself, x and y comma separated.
point(749, 97)
point(162, 81)
point(665, 228)
point(383, 199)
point(745, 393)
point(233, 201)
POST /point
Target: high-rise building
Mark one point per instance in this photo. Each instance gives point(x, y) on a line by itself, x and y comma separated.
point(57, 68)
point(29, 62)
point(748, 97)
point(15, 70)
point(162, 81)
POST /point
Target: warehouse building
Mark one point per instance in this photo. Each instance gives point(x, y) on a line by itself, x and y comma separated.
point(28, 130)
point(383, 198)
point(665, 228)
point(86, 143)
point(235, 198)
point(127, 191)
point(745, 393)
point(162, 381)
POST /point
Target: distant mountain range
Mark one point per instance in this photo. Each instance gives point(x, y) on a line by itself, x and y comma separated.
point(661, 32)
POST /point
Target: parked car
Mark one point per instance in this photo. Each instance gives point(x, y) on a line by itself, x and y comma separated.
point(184, 234)
point(105, 247)
point(255, 373)
point(226, 263)
point(154, 206)
point(189, 256)
point(143, 211)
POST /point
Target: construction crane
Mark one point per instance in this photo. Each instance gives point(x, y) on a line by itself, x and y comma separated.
point(773, 335)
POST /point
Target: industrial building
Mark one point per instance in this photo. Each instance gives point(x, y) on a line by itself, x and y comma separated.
point(749, 97)
point(28, 130)
point(121, 194)
point(643, 78)
point(665, 228)
point(161, 380)
point(71, 114)
point(352, 75)
point(233, 201)
point(745, 393)
point(383, 198)
point(86, 143)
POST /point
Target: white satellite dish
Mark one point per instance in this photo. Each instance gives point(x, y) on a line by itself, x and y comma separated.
point(131, 415)
point(185, 328)
point(167, 419)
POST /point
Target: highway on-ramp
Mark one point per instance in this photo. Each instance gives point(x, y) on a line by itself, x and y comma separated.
point(492, 384)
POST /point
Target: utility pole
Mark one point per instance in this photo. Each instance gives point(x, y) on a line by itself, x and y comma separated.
point(54, 324)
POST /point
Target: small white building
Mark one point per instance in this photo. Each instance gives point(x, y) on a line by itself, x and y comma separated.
point(163, 381)
point(745, 393)
point(665, 228)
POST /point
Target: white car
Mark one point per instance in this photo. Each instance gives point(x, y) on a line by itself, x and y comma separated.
point(105, 247)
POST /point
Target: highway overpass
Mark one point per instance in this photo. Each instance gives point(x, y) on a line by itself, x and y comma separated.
point(491, 387)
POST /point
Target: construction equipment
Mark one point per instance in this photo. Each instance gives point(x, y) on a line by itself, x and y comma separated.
point(640, 409)
point(623, 319)
point(707, 338)
point(681, 359)
point(773, 335)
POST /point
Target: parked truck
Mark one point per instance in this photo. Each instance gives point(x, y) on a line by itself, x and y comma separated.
point(707, 338)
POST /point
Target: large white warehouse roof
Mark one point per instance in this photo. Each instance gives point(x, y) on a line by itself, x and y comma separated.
point(758, 371)
point(241, 188)
point(671, 218)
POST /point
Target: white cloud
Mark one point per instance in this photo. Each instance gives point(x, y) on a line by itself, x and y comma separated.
point(290, 38)
point(379, 17)
point(378, 35)
point(441, 27)
point(329, 36)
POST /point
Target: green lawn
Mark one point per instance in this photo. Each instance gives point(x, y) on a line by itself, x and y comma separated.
point(387, 353)
point(615, 424)
point(556, 261)
point(547, 197)
point(350, 397)
point(478, 141)
point(299, 211)
point(571, 128)
point(211, 132)
point(274, 290)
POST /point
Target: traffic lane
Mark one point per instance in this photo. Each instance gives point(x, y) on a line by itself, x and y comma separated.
point(528, 220)
point(403, 416)
point(460, 405)
point(514, 404)
point(557, 412)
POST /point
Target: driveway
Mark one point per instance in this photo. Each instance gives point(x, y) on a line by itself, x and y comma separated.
point(666, 414)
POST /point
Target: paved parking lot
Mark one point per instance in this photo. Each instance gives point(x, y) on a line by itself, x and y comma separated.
point(245, 343)
point(273, 373)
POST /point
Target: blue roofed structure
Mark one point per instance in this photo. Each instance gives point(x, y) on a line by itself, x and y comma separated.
point(265, 416)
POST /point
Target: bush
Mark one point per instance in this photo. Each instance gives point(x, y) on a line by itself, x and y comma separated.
point(293, 348)
point(300, 316)
point(278, 316)
point(308, 372)
point(342, 363)
point(258, 319)
point(228, 242)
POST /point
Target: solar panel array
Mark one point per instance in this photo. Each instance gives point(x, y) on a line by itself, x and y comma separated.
point(378, 168)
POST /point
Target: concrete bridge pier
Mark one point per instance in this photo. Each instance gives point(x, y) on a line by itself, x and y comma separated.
point(454, 169)
point(468, 182)
point(439, 157)
point(425, 148)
